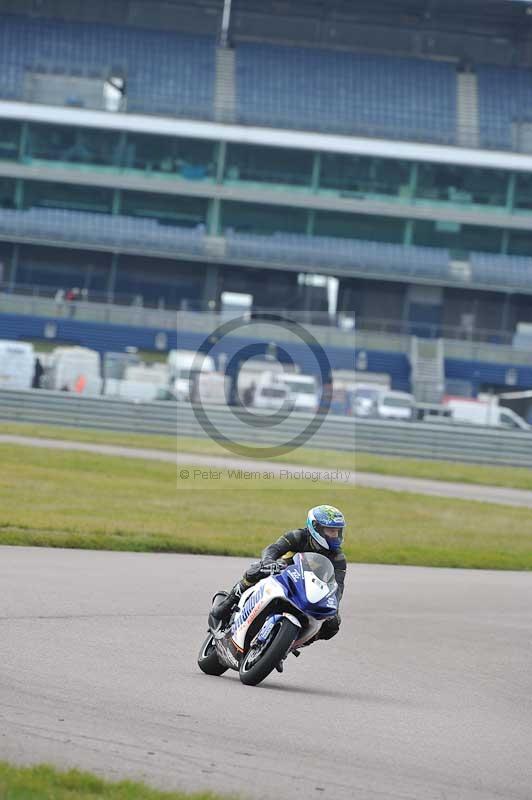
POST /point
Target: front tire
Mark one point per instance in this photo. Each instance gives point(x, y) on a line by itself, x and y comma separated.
point(208, 658)
point(257, 666)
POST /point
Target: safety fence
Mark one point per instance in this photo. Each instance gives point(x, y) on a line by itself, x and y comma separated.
point(474, 444)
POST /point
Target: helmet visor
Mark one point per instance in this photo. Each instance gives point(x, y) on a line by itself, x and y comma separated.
point(332, 534)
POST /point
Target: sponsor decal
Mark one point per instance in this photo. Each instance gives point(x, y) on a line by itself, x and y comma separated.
point(294, 574)
point(249, 612)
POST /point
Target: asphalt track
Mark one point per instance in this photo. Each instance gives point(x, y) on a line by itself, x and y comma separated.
point(463, 491)
point(426, 694)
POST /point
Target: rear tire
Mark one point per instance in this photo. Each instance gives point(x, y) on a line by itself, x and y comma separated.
point(285, 633)
point(208, 658)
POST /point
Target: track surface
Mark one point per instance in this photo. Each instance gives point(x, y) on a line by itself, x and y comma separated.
point(426, 694)
point(462, 491)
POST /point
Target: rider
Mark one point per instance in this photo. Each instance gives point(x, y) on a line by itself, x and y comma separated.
point(324, 534)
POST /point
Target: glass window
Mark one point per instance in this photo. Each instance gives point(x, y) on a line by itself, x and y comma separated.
point(261, 219)
point(74, 145)
point(520, 243)
point(9, 139)
point(362, 175)
point(268, 165)
point(64, 195)
point(462, 185)
point(7, 193)
point(168, 209)
point(523, 191)
point(454, 236)
point(359, 226)
point(193, 159)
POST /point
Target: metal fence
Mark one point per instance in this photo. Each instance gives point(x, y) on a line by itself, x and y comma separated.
point(474, 444)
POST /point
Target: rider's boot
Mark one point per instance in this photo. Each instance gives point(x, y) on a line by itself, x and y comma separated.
point(222, 611)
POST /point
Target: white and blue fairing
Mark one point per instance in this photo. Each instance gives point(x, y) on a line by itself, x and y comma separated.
point(309, 584)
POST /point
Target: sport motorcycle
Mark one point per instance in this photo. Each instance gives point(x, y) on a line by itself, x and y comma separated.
point(281, 613)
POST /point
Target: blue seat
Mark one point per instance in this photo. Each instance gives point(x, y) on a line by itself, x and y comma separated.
point(181, 68)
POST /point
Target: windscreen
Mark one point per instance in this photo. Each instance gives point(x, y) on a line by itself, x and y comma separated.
point(368, 394)
point(397, 402)
point(321, 567)
point(300, 388)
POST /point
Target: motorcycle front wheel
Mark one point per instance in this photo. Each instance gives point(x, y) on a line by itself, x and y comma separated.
point(261, 659)
point(208, 658)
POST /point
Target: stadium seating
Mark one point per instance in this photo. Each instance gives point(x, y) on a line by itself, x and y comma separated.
point(344, 92)
point(280, 86)
point(61, 225)
point(375, 258)
point(504, 97)
point(166, 73)
point(366, 257)
point(506, 271)
point(381, 259)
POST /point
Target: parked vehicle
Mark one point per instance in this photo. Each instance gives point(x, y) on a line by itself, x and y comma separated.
point(141, 383)
point(210, 388)
point(249, 375)
point(395, 405)
point(270, 392)
point(17, 364)
point(302, 391)
point(73, 369)
point(478, 412)
point(373, 401)
point(183, 365)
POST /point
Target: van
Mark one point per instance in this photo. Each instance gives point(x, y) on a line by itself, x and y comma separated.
point(210, 388)
point(141, 383)
point(183, 365)
point(73, 369)
point(373, 401)
point(302, 391)
point(17, 364)
point(250, 373)
point(477, 412)
point(271, 392)
point(395, 405)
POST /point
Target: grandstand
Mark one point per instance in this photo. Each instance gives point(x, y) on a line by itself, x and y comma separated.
point(168, 152)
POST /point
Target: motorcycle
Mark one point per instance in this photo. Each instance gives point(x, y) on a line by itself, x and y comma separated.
point(281, 613)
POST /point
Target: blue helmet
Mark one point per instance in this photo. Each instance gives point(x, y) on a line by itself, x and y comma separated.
point(321, 517)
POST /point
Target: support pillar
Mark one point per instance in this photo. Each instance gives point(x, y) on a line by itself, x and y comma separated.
point(210, 299)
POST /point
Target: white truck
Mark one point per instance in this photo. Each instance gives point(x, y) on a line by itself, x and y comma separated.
point(17, 364)
point(183, 366)
point(73, 369)
point(485, 412)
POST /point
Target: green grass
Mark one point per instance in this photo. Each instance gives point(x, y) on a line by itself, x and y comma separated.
point(73, 499)
point(509, 477)
point(42, 782)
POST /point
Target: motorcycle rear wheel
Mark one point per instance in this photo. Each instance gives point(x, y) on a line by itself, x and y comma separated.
point(208, 658)
point(254, 667)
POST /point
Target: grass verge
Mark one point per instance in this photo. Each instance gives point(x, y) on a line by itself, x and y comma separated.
point(71, 499)
point(42, 782)
point(509, 477)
